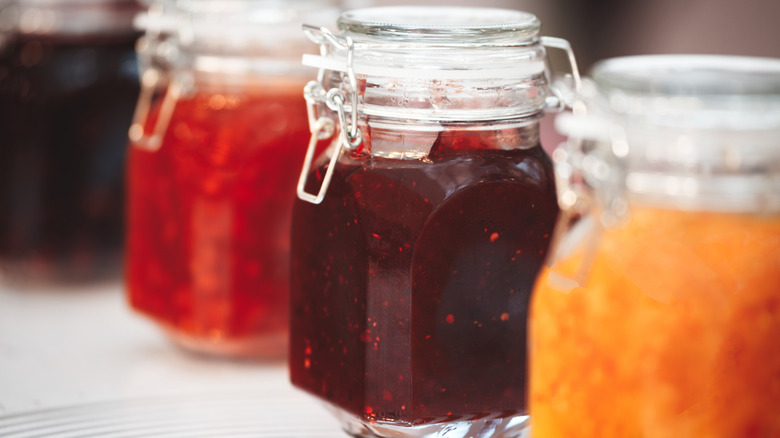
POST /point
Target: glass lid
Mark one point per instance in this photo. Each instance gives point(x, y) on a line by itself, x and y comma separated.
point(237, 25)
point(439, 62)
point(447, 25)
point(691, 75)
point(686, 131)
point(75, 18)
point(694, 91)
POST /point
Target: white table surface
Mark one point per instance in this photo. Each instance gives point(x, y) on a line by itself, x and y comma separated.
point(73, 360)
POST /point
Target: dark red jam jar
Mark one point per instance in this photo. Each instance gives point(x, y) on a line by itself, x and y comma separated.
point(68, 84)
point(418, 233)
point(219, 134)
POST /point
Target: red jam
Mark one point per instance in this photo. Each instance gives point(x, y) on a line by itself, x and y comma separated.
point(209, 219)
point(411, 281)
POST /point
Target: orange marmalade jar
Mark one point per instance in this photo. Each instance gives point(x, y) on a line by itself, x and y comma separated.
point(219, 135)
point(659, 315)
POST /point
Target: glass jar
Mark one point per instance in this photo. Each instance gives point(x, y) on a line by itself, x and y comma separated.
point(660, 313)
point(219, 134)
point(419, 232)
point(68, 83)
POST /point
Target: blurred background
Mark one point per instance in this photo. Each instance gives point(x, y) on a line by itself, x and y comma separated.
point(61, 182)
point(601, 29)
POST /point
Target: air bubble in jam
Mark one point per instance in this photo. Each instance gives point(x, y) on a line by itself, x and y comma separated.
point(424, 283)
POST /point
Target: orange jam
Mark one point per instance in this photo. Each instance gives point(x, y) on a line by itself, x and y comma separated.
point(675, 333)
point(209, 218)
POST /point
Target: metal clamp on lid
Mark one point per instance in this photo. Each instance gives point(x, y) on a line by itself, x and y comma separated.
point(156, 54)
point(557, 100)
point(322, 127)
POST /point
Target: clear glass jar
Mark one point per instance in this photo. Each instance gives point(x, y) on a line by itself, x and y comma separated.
point(219, 135)
point(660, 313)
point(419, 232)
point(68, 83)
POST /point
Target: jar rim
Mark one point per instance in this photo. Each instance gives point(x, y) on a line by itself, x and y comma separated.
point(236, 23)
point(441, 24)
point(701, 92)
point(690, 75)
point(69, 18)
point(75, 3)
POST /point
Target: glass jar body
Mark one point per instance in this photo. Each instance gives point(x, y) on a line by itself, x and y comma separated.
point(410, 281)
point(209, 215)
point(66, 102)
point(672, 333)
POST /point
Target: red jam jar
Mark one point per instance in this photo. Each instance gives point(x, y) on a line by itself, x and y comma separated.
point(419, 232)
point(219, 134)
point(68, 84)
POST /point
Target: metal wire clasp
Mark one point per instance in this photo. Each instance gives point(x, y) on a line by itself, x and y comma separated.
point(322, 126)
point(590, 195)
point(150, 81)
point(153, 52)
point(557, 101)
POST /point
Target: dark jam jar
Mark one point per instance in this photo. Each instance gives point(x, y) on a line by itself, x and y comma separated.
point(419, 232)
point(219, 134)
point(68, 84)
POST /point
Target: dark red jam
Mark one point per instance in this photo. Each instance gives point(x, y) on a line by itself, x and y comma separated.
point(65, 106)
point(411, 281)
point(209, 218)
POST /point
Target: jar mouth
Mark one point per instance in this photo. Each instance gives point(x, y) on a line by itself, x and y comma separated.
point(437, 62)
point(460, 26)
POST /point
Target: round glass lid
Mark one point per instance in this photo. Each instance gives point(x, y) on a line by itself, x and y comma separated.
point(696, 91)
point(456, 25)
point(690, 75)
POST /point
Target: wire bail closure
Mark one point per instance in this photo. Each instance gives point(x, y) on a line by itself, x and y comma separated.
point(323, 127)
point(150, 81)
point(574, 227)
point(153, 49)
point(557, 101)
point(350, 136)
point(588, 203)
